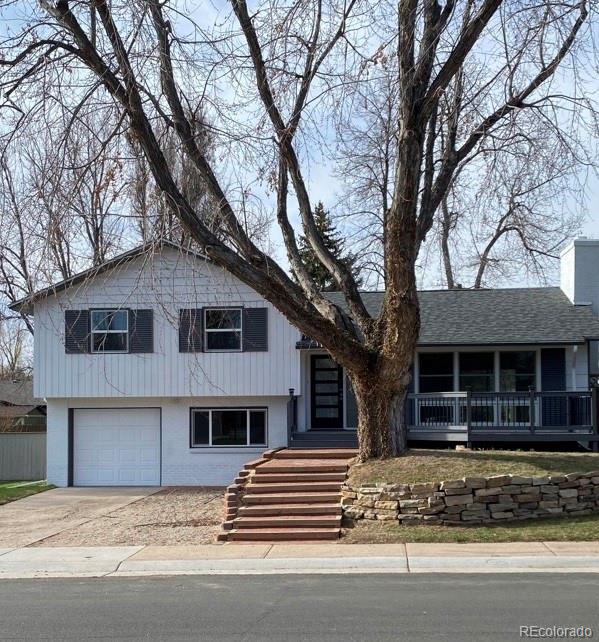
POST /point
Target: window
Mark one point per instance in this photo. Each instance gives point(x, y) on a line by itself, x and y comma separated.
point(230, 427)
point(435, 372)
point(477, 371)
point(594, 358)
point(110, 330)
point(222, 329)
point(517, 371)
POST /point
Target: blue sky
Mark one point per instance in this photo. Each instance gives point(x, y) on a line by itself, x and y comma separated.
point(592, 226)
point(324, 187)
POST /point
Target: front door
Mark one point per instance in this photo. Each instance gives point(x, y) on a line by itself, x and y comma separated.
point(326, 393)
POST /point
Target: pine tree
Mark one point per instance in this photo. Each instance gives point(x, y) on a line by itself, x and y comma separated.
point(336, 246)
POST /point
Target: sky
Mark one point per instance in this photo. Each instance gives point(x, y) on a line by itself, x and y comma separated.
point(323, 186)
point(591, 228)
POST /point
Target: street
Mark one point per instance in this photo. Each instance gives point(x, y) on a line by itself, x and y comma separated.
point(294, 607)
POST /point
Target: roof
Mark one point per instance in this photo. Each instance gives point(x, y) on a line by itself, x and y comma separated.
point(16, 411)
point(509, 316)
point(500, 317)
point(17, 392)
point(24, 305)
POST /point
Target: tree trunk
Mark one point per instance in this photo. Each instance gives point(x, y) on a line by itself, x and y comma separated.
point(382, 430)
point(446, 228)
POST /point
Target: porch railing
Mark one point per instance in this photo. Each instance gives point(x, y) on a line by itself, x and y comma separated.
point(501, 411)
point(291, 415)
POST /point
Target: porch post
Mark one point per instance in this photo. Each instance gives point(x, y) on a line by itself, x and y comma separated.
point(595, 413)
point(532, 397)
point(291, 415)
point(468, 415)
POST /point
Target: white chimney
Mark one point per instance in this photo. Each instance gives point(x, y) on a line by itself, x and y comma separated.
point(579, 264)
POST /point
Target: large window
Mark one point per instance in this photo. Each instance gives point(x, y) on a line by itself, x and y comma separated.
point(230, 427)
point(477, 371)
point(222, 329)
point(517, 371)
point(435, 372)
point(110, 330)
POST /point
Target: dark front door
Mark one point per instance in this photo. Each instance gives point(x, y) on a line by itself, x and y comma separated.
point(326, 393)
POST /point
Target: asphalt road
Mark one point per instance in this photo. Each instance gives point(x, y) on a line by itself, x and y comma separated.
point(312, 607)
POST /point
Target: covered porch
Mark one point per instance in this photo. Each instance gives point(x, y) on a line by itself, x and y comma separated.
point(463, 394)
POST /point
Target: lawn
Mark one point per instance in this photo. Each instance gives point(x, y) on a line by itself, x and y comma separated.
point(421, 465)
point(13, 490)
point(575, 529)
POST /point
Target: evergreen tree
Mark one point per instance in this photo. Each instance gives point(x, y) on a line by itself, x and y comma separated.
point(336, 246)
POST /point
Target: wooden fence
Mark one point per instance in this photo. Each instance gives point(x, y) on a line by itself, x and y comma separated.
point(22, 456)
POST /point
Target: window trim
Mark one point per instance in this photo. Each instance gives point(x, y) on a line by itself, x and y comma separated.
point(222, 330)
point(92, 331)
point(211, 409)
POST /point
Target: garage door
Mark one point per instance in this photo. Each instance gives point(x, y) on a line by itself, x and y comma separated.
point(116, 447)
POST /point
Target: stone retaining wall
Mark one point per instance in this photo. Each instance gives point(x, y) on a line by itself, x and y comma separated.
point(474, 500)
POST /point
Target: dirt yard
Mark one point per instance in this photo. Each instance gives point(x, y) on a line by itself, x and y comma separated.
point(171, 516)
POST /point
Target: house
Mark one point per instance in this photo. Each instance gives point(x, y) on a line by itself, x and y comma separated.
point(160, 368)
point(19, 410)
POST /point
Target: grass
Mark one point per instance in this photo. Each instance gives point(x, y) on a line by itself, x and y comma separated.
point(573, 529)
point(420, 465)
point(12, 490)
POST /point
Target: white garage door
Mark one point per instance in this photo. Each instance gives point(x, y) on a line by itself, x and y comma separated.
point(116, 447)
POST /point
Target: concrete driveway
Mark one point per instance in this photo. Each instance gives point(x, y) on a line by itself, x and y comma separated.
point(38, 517)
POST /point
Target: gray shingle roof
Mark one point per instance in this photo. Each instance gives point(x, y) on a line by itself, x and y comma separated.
point(502, 316)
point(17, 393)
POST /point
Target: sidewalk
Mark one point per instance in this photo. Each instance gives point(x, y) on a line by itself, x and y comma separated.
point(263, 559)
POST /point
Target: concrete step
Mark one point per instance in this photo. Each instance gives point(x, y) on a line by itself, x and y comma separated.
point(288, 521)
point(283, 534)
point(293, 498)
point(271, 510)
point(291, 487)
point(315, 453)
point(303, 466)
point(295, 477)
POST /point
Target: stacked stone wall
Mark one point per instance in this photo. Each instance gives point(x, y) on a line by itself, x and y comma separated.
point(474, 500)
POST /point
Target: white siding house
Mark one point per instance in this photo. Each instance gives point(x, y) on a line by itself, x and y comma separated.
point(159, 368)
point(165, 379)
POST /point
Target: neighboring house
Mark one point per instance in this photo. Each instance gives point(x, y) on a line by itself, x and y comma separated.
point(161, 368)
point(20, 411)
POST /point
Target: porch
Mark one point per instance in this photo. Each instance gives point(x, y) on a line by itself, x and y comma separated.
point(470, 417)
point(462, 394)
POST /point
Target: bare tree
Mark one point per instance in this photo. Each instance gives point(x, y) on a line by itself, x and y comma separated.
point(61, 203)
point(271, 79)
point(514, 197)
point(154, 216)
point(14, 359)
point(514, 222)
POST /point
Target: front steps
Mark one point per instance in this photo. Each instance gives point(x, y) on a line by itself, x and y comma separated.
point(291, 496)
point(324, 439)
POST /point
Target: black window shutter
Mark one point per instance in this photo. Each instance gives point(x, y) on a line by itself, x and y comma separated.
point(190, 330)
point(255, 329)
point(76, 331)
point(141, 331)
point(553, 378)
